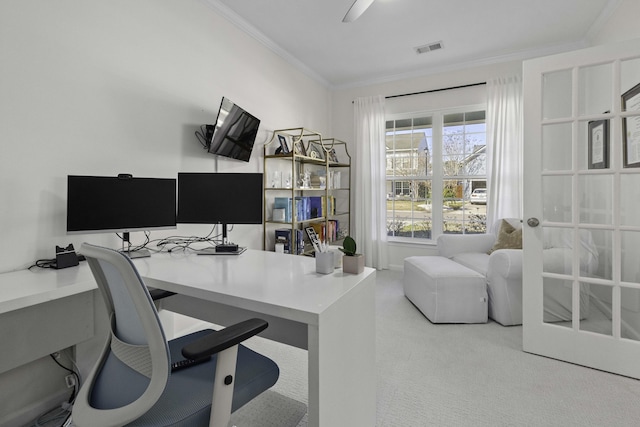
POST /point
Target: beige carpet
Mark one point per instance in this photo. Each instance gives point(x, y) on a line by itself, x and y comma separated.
point(270, 409)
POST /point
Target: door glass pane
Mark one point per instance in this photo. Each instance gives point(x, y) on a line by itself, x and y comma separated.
point(595, 89)
point(595, 316)
point(557, 301)
point(629, 200)
point(594, 146)
point(629, 72)
point(556, 94)
point(596, 199)
point(556, 147)
point(630, 262)
point(556, 198)
point(596, 258)
point(557, 250)
point(630, 318)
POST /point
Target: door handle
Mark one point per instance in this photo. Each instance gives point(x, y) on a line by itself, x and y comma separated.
point(533, 222)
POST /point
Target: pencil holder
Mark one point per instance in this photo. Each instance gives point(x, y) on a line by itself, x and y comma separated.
point(324, 262)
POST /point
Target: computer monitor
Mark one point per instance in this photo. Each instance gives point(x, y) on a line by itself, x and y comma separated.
point(220, 198)
point(109, 204)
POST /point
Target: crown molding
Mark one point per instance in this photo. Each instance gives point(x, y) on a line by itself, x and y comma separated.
point(252, 31)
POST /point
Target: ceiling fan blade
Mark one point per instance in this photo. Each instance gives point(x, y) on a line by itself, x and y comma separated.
point(357, 8)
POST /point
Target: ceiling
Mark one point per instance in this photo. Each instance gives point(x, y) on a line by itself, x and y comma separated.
point(379, 46)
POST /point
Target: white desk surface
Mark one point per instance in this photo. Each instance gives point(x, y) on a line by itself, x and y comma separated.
point(282, 285)
point(26, 288)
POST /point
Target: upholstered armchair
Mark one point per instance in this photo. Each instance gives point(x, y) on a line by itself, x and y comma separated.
point(502, 267)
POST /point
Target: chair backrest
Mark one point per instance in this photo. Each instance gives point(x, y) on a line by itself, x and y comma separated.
point(133, 369)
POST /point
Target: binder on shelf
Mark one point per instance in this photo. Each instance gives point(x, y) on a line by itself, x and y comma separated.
point(283, 235)
point(316, 207)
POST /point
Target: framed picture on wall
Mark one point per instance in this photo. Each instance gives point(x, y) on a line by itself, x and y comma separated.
point(631, 128)
point(599, 144)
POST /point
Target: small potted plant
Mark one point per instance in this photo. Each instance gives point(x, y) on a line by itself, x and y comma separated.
point(352, 262)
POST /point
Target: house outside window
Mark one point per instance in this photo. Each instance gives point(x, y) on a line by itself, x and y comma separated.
point(445, 151)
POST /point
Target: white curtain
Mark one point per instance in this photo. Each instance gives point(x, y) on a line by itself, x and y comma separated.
point(504, 148)
point(369, 219)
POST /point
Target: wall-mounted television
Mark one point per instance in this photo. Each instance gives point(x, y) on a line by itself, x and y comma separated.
point(234, 133)
point(220, 198)
point(120, 204)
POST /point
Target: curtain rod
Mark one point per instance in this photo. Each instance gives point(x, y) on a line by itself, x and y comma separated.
point(436, 90)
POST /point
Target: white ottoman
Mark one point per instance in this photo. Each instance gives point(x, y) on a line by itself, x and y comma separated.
point(445, 291)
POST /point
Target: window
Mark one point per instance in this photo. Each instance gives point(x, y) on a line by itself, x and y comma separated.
point(444, 151)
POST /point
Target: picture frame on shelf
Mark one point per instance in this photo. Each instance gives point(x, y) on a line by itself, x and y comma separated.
point(631, 128)
point(598, 155)
point(315, 152)
point(333, 157)
point(284, 147)
point(298, 146)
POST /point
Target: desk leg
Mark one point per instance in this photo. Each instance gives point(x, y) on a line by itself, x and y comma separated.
point(342, 371)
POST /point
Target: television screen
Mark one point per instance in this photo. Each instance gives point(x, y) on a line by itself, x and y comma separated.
point(219, 198)
point(119, 204)
point(234, 133)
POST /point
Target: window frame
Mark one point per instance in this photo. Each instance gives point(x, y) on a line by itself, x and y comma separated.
point(435, 174)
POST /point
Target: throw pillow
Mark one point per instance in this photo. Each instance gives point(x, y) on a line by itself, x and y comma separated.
point(508, 237)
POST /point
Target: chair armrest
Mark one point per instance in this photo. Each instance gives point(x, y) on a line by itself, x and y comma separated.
point(453, 244)
point(223, 339)
point(506, 263)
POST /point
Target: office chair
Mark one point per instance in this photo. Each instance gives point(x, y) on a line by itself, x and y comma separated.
point(132, 382)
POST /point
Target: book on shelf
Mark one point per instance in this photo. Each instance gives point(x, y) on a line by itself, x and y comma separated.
point(283, 235)
point(283, 203)
point(286, 236)
point(328, 233)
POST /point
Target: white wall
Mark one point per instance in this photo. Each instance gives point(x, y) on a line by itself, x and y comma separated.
point(120, 86)
point(108, 87)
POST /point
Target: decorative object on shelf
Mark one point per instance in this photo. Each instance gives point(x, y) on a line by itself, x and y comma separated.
point(315, 152)
point(298, 146)
point(283, 144)
point(276, 179)
point(352, 262)
point(333, 157)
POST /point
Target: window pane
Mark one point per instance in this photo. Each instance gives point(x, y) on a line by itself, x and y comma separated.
point(464, 209)
point(411, 166)
point(409, 209)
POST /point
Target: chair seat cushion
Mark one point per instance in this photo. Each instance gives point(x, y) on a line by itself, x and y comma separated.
point(477, 261)
point(187, 399)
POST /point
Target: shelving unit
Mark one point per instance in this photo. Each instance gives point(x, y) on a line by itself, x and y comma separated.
point(310, 186)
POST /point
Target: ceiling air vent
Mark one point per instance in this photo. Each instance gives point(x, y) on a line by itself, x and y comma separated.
point(428, 47)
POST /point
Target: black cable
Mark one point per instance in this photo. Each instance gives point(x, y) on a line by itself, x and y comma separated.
point(72, 398)
point(44, 263)
point(201, 136)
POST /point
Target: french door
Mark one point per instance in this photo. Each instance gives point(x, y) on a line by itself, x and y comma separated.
point(581, 284)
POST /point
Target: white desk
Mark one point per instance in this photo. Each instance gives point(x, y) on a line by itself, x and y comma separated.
point(43, 311)
point(332, 316)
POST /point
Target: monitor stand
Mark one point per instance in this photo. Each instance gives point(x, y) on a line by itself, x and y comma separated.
point(213, 251)
point(138, 253)
point(224, 248)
